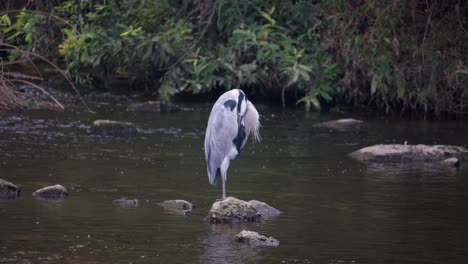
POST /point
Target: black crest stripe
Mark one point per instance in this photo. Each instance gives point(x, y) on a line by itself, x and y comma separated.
point(241, 99)
point(230, 104)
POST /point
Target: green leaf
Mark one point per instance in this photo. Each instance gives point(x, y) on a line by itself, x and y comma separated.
point(268, 17)
point(325, 96)
point(306, 101)
point(401, 85)
point(375, 83)
point(84, 55)
point(315, 102)
point(6, 20)
point(29, 37)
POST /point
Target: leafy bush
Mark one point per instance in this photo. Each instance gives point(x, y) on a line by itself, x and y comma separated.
point(394, 55)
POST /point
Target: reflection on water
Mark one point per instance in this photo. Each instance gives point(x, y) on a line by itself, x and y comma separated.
point(220, 247)
point(336, 210)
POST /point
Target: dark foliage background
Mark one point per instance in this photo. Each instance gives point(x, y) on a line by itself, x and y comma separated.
point(397, 55)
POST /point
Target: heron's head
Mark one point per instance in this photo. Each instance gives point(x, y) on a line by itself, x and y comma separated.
point(252, 121)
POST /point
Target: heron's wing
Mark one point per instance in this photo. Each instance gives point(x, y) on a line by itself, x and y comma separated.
point(221, 131)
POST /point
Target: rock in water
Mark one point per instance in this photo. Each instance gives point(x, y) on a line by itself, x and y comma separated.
point(341, 124)
point(265, 210)
point(451, 162)
point(126, 202)
point(232, 210)
point(113, 128)
point(395, 153)
point(52, 192)
point(153, 106)
point(177, 206)
point(8, 189)
point(255, 239)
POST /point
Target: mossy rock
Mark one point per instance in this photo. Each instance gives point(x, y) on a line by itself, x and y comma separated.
point(154, 107)
point(52, 192)
point(8, 189)
point(113, 128)
point(232, 210)
point(397, 153)
point(255, 239)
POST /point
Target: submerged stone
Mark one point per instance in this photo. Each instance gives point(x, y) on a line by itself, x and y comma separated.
point(52, 192)
point(255, 239)
point(396, 153)
point(232, 210)
point(8, 189)
point(113, 128)
point(451, 162)
point(341, 124)
point(154, 106)
point(124, 201)
point(177, 206)
point(264, 209)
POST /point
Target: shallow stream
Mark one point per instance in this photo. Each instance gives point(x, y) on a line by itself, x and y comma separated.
point(336, 210)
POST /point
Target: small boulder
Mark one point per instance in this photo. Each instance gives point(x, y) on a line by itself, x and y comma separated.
point(177, 206)
point(255, 239)
point(126, 202)
point(8, 189)
point(397, 153)
point(52, 192)
point(154, 106)
point(113, 128)
point(341, 124)
point(264, 209)
point(451, 162)
point(232, 210)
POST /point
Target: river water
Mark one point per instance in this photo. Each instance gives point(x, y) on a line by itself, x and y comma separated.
point(336, 210)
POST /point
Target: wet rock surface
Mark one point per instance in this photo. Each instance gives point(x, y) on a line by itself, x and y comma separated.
point(52, 192)
point(154, 106)
point(396, 153)
point(451, 162)
point(255, 239)
point(107, 98)
point(113, 128)
point(124, 201)
point(177, 206)
point(264, 209)
point(341, 124)
point(8, 189)
point(232, 210)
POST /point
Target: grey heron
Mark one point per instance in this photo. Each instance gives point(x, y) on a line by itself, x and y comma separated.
point(232, 119)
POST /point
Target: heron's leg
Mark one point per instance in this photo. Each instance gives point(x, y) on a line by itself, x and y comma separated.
point(224, 167)
point(224, 188)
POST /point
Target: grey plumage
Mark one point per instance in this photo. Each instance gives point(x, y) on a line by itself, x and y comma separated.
point(232, 119)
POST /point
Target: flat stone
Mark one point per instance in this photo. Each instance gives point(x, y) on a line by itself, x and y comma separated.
point(8, 189)
point(264, 209)
point(177, 206)
point(113, 128)
point(124, 201)
point(52, 192)
point(232, 210)
point(396, 153)
point(255, 239)
point(341, 124)
point(154, 106)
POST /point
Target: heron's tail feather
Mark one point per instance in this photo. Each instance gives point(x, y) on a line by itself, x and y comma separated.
point(213, 177)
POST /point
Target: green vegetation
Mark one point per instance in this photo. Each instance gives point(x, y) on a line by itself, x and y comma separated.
point(401, 56)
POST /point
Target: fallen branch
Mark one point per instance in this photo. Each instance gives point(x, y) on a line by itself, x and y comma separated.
point(51, 64)
point(40, 89)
